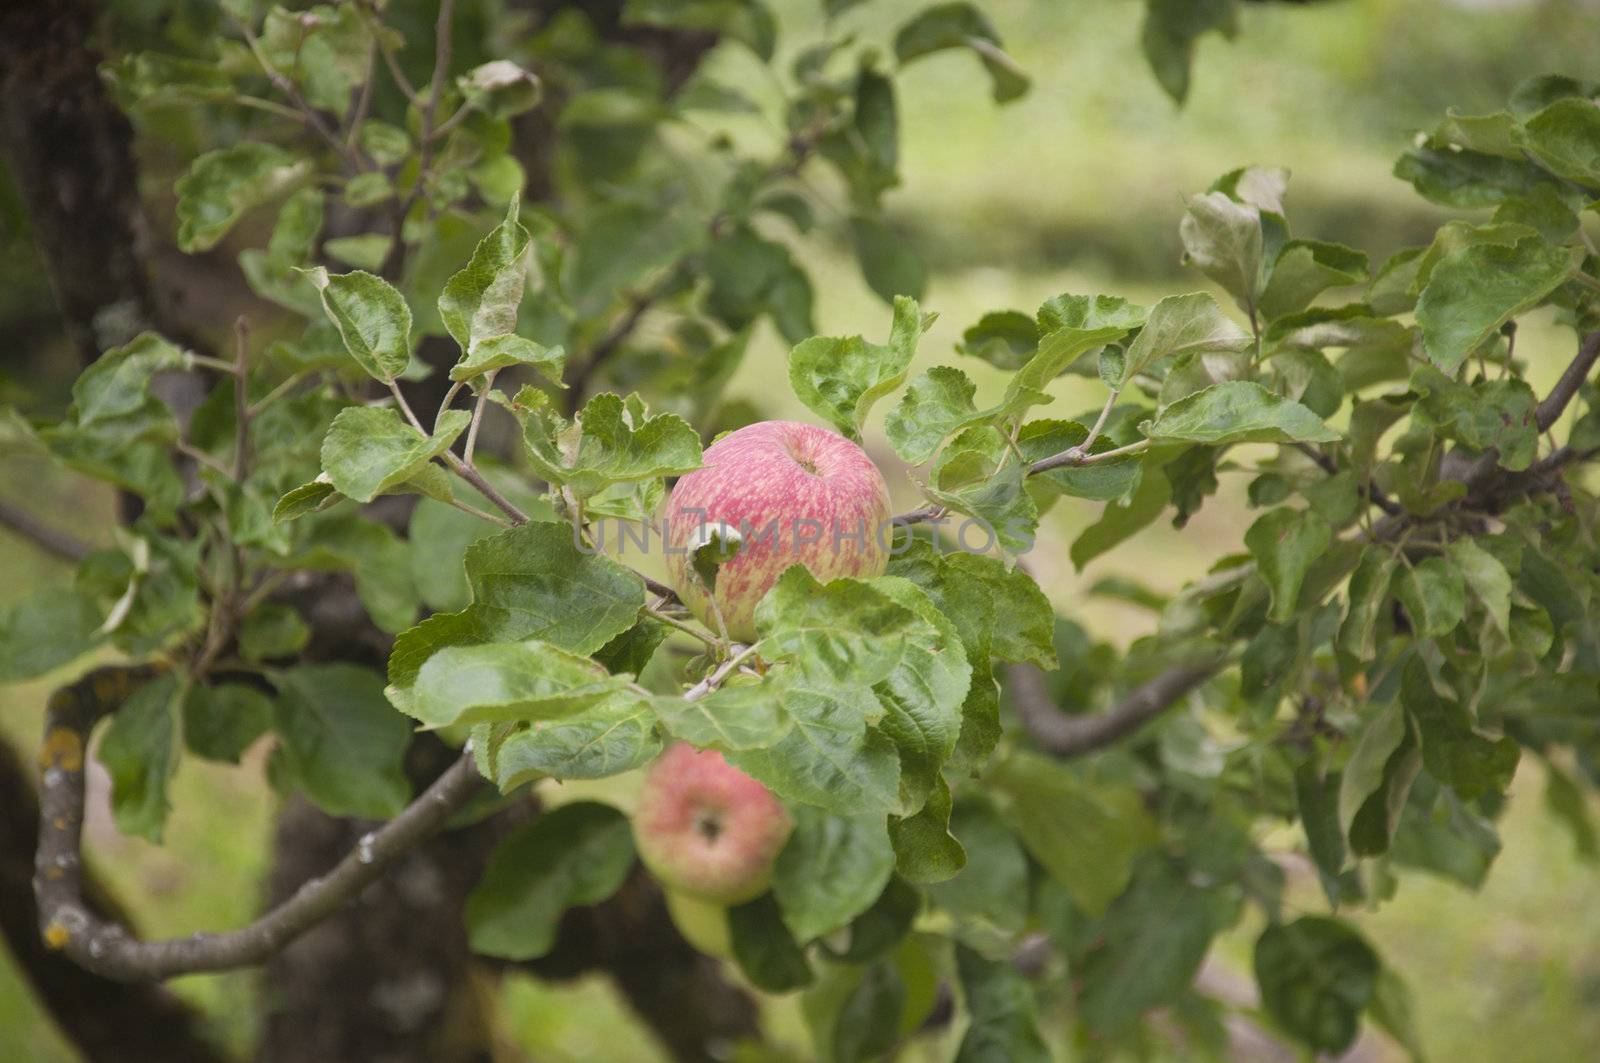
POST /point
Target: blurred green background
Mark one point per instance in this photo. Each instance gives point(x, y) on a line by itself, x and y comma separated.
point(1077, 187)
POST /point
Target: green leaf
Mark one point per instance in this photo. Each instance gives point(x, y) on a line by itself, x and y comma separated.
point(372, 318)
point(1444, 173)
point(831, 870)
point(1179, 325)
point(1434, 594)
point(1222, 238)
point(846, 631)
point(840, 379)
point(1120, 521)
point(993, 886)
point(621, 244)
point(1569, 803)
point(751, 276)
point(326, 47)
point(1239, 411)
point(741, 715)
point(1487, 578)
point(1171, 28)
point(1452, 751)
point(1316, 976)
point(117, 384)
point(1392, 1009)
point(1286, 543)
point(1498, 414)
point(1002, 1011)
point(1376, 780)
point(530, 680)
point(1070, 326)
point(1565, 137)
point(575, 854)
point(961, 25)
point(867, 154)
point(1306, 268)
point(1003, 338)
point(1155, 937)
point(1023, 625)
point(221, 185)
point(980, 474)
point(890, 263)
point(500, 89)
point(308, 498)
point(46, 630)
point(923, 695)
point(481, 301)
point(613, 441)
point(387, 144)
point(502, 352)
point(937, 405)
point(1317, 800)
point(764, 949)
point(868, 1023)
point(369, 451)
point(220, 722)
point(272, 629)
point(1085, 834)
point(1369, 593)
point(439, 534)
point(140, 751)
point(531, 582)
point(925, 851)
point(614, 736)
point(828, 756)
point(340, 741)
point(1471, 292)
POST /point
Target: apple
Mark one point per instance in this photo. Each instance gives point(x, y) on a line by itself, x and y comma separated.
point(703, 924)
point(706, 829)
point(790, 493)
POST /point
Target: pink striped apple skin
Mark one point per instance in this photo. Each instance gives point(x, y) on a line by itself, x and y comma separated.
point(706, 829)
point(802, 481)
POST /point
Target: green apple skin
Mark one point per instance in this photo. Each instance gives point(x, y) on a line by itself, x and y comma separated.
point(703, 924)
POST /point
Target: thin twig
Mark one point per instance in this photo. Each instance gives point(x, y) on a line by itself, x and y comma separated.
point(687, 629)
point(278, 392)
point(477, 416)
point(241, 400)
point(467, 507)
point(291, 92)
point(722, 671)
point(1100, 422)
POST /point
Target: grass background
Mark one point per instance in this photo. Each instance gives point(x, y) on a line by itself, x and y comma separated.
point(1075, 188)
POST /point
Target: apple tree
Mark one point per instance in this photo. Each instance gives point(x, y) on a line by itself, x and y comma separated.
point(489, 269)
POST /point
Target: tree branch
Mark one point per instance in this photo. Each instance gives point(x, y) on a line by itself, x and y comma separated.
point(1072, 736)
point(47, 538)
point(1550, 409)
point(108, 1021)
point(105, 946)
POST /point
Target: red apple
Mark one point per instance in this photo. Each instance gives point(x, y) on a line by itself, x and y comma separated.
point(706, 829)
point(795, 494)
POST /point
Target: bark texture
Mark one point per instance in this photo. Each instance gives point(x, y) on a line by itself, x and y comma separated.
point(110, 1022)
